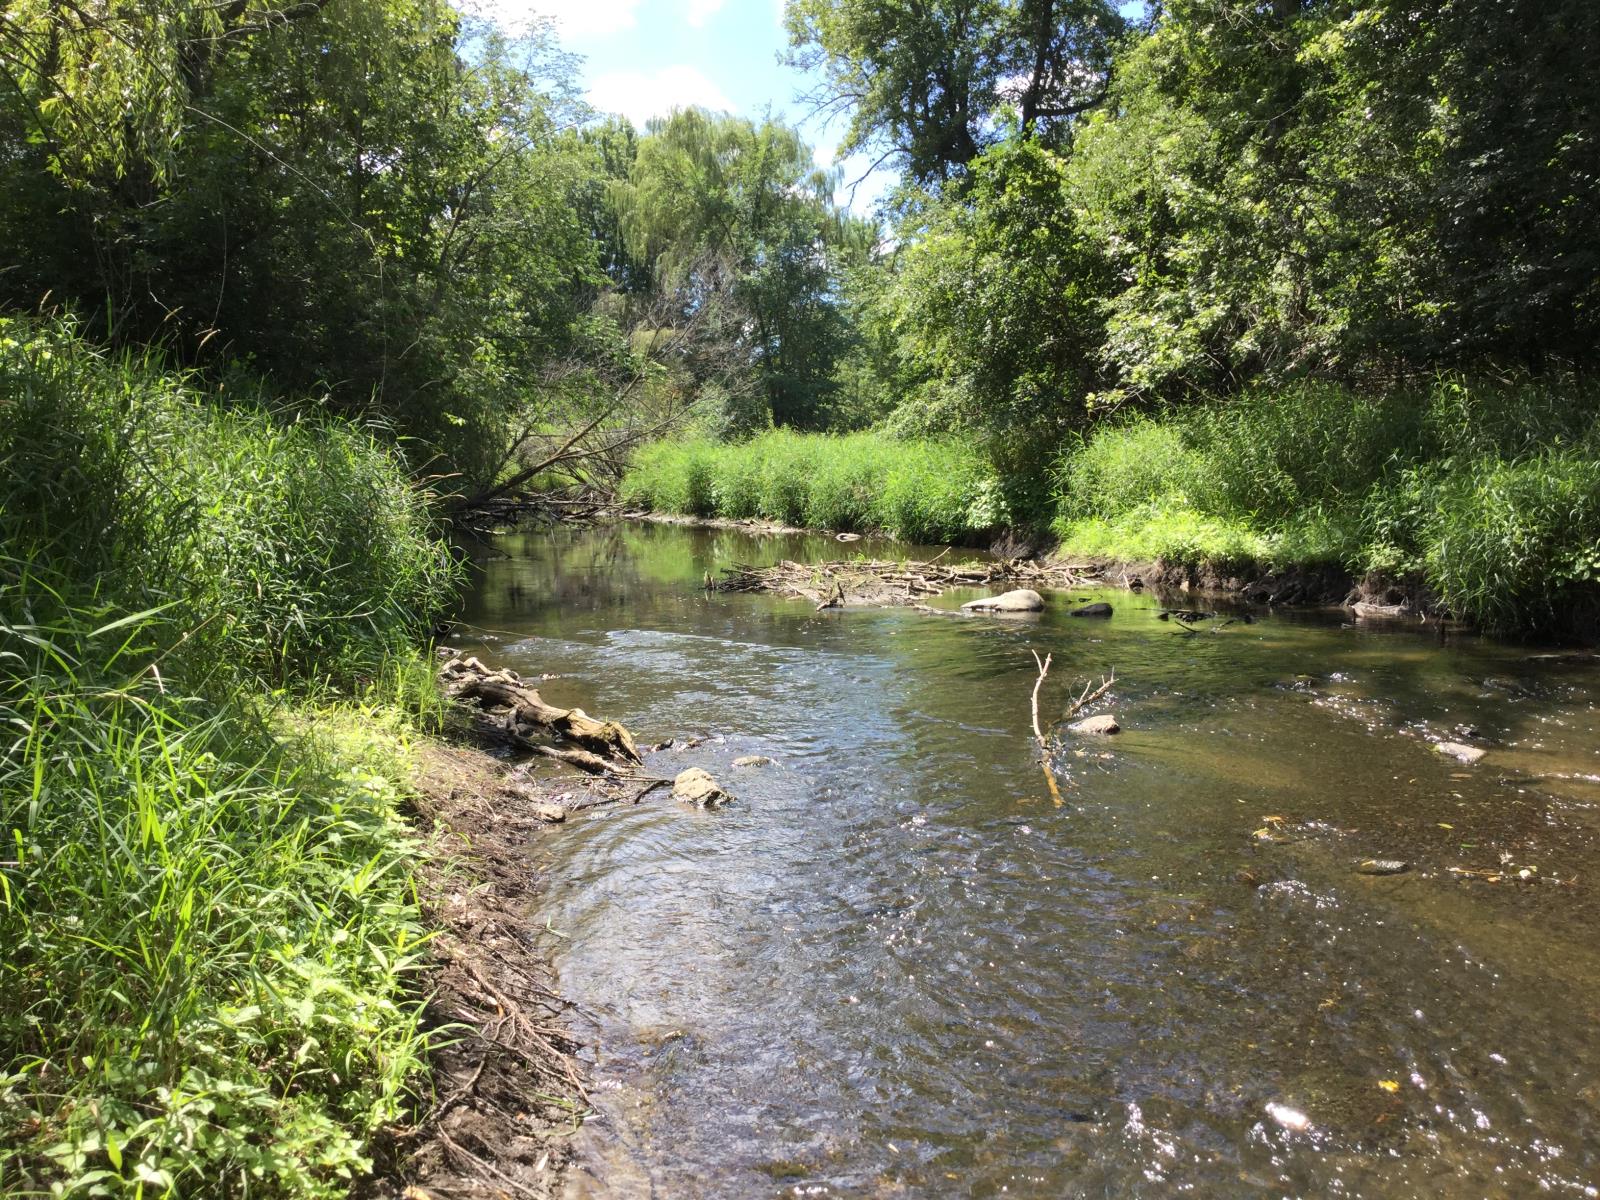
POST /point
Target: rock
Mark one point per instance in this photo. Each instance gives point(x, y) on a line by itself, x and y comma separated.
point(552, 814)
point(1460, 752)
point(847, 537)
point(1105, 724)
point(753, 760)
point(1382, 866)
point(1092, 610)
point(1363, 609)
point(1021, 600)
point(695, 786)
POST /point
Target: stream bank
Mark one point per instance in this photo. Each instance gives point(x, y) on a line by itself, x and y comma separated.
point(1023, 557)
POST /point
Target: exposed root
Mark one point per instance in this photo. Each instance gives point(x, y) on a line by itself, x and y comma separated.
point(507, 1083)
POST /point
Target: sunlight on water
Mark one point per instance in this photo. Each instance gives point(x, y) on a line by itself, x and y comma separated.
point(894, 968)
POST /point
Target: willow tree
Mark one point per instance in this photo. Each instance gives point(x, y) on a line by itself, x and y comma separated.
point(735, 218)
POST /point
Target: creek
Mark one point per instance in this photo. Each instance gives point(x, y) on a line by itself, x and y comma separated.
point(893, 967)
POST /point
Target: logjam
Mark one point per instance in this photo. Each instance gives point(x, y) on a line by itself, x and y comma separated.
point(881, 583)
point(509, 710)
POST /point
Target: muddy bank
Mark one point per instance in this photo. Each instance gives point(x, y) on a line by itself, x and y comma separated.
point(1326, 584)
point(507, 1085)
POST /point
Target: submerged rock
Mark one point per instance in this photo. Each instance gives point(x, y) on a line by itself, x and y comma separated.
point(1382, 866)
point(753, 760)
point(1092, 610)
point(696, 787)
point(1103, 724)
point(1460, 752)
point(1021, 600)
point(1362, 609)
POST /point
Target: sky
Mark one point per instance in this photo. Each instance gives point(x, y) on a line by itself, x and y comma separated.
point(644, 57)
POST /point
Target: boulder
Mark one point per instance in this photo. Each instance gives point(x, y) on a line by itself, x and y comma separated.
point(696, 787)
point(1100, 725)
point(753, 760)
point(1021, 600)
point(1460, 752)
point(1092, 610)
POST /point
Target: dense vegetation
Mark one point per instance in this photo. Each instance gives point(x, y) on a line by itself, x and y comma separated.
point(204, 895)
point(1487, 494)
point(1296, 282)
point(916, 490)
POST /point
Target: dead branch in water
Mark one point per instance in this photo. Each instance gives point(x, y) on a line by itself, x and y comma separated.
point(1086, 699)
point(1044, 669)
point(1038, 734)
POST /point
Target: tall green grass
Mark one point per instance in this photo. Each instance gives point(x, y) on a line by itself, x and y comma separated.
point(860, 482)
point(204, 887)
point(1486, 492)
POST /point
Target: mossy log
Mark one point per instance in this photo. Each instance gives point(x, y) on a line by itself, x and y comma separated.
point(513, 712)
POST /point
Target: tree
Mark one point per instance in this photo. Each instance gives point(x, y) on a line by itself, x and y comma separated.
point(346, 199)
point(935, 82)
point(994, 307)
point(735, 216)
point(1365, 190)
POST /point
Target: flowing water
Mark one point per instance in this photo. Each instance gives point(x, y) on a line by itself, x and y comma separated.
point(895, 968)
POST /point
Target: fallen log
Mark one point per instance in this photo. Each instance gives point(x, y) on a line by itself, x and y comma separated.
point(514, 712)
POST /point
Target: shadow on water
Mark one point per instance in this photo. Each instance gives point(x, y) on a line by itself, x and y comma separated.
point(893, 967)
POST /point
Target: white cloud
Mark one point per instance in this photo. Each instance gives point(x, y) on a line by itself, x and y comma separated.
point(639, 95)
point(573, 18)
point(701, 11)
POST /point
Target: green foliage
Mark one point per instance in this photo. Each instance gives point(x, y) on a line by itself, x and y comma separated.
point(862, 482)
point(995, 308)
point(740, 226)
point(1516, 544)
point(205, 896)
point(293, 540)
point(1332, 187)
point(936, 83)
point(1486, 492)
point(368, 200)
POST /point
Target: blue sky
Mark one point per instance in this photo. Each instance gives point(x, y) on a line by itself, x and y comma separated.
point(643, 57)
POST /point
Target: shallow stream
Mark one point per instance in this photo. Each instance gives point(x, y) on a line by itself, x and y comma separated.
point(895, 968)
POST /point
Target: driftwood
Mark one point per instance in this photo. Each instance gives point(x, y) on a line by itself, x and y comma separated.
point(880, 583)
point(1038, 734)
point(511, 711)
point(1047, 743)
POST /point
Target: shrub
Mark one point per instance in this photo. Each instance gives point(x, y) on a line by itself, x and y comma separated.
point(1486, 492)
point(1516, 545)
point(1120, 468)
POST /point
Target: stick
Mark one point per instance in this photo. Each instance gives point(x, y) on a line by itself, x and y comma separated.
point(1044, 745)
point(1086, 698)
point(1044, 669)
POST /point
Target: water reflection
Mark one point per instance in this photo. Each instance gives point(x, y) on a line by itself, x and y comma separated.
point(894, 968)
